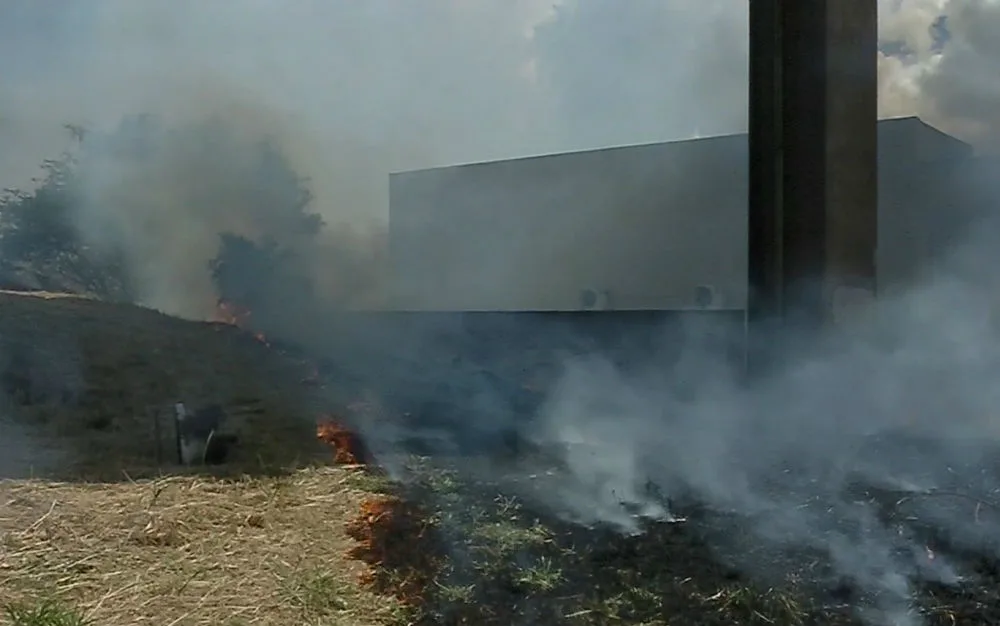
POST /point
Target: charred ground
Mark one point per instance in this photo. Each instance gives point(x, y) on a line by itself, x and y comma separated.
point(463, 551)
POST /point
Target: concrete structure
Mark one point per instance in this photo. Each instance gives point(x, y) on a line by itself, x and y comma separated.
point(643, 228)
point(813, 200)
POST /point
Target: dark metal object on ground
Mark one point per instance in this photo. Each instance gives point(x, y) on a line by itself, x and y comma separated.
point(813, 163)
point(199, 438)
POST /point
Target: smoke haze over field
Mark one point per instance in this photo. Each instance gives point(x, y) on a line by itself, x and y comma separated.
point(903, 401)
point(353, 90)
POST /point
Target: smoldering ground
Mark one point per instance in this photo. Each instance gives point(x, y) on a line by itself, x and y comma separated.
point(23, 453)
point(900, 403)
point(38, 371)
point(867, 467)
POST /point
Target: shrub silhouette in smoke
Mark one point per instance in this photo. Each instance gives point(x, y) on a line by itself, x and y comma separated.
point(40, 246)
point(258, 279)
point(226, 195)
point(173, 216)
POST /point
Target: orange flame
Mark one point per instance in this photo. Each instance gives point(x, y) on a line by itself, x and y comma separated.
point(227, 312)
point(347, 447)
point(393, 536)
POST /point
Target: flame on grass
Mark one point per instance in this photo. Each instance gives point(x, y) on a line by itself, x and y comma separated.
point(395, 541)
point(348, 448)
point(227, 312)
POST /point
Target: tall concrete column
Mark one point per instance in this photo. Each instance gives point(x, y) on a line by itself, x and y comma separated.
point(813, 186)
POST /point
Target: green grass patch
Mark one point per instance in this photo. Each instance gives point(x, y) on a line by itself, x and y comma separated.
point(45, 612)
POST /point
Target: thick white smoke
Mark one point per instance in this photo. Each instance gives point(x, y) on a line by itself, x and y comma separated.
point(349, 91)
point(902, 401)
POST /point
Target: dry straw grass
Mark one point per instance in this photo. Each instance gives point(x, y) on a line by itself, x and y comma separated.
point(190, 550)
point(182, 549)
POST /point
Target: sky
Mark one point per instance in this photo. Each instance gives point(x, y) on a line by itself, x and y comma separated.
point(401, 85)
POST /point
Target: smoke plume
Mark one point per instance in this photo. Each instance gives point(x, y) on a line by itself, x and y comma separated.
point(901, 401)
point(350, 91)
point(347, 91)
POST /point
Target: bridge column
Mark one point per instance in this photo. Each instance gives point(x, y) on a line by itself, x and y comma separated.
point(813, 197)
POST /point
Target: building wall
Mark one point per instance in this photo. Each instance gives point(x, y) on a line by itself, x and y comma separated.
point(928, 209)
point(647, 224)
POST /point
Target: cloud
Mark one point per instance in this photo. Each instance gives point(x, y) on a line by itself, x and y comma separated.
point(655, 70)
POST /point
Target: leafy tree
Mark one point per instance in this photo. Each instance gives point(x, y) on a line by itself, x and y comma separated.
point(36, 224)
point(156, 186)
point(246, 272)
point(263, 281)
point(40, 243)
point(277, 185)
point(265, 276)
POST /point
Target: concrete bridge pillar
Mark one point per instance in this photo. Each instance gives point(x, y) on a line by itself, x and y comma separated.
point(813, 150)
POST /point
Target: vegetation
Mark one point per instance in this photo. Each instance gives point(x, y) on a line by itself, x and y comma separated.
point(258, 280)
point(41, 244)
point(456, 552)
point(44, 234)
point(126, 537)
point(44, 612)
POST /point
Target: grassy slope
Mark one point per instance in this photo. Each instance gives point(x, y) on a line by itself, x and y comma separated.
point(121, 536)
point(100, 372)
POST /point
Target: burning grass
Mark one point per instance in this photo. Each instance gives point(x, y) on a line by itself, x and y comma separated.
point(184, 550)
point(232, 314)
point(460, 556)
point(347, 447)
point(395, 540)
point(394, 537)
point(462, 552)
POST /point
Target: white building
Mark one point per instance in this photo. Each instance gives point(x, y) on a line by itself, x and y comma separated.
point(643, 228)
